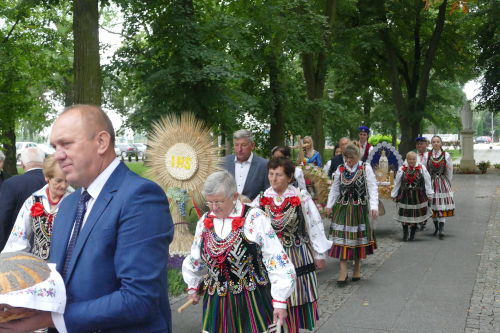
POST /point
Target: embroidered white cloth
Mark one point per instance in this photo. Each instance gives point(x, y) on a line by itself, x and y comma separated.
point(48, 295)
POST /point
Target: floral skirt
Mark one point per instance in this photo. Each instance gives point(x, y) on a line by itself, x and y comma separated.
point(442, 203)
point(350, 231)
point(412, 207)
point(302, 305)
point(246, 312)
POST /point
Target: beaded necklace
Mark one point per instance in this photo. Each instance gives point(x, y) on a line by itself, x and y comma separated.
point(217, 247)
point(280, 214)
point(411, 173)
point(437, 162)
point(349, 177)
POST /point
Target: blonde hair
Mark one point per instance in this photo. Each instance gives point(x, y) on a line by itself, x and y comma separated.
point(411, 153)
point(351, 150)
point(50, 166)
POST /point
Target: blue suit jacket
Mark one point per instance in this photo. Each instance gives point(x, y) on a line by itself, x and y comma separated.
point(257, 180)
point(117, 277)
point(13, 192)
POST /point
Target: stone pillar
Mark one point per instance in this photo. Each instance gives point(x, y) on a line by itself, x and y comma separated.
point(467, 163)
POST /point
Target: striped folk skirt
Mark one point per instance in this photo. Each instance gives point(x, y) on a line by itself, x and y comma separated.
point(302, 305)
point(246, 312)
point(350, 231)
point(412, 207)
point(442, 203)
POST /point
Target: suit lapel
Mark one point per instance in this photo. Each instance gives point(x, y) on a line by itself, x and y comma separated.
point(232, 166)
point(251, 173)
point(100, 205)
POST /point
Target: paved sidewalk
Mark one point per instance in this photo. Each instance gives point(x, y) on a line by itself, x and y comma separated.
point(484, 310)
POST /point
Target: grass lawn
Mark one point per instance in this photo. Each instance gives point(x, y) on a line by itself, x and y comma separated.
point(137, 167)
point(455, 153)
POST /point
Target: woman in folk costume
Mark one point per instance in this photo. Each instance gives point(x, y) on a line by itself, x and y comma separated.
point(353, 199)
point(440, 168)
point(238, 261)
point(33, 227)
point(298, 175)
point(412, 190)
point(311, 156)
point(299, 227)
point(364, 147)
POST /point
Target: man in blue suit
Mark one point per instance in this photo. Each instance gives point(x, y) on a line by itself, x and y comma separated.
point(110, 239)
point(248, 169)
point(15, 190)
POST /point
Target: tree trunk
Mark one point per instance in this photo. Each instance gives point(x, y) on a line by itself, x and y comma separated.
point(409, 131)
point(9, 133)
point(315, 66)
point(88, 80)
point(277, 131)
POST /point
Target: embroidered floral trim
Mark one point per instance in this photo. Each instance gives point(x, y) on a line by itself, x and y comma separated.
point(39, 292)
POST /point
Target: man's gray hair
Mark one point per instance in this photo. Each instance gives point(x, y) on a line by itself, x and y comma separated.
point(2, 156)
point(343, 139)
point(220, 182)
point(243, 134)
point(32, 155)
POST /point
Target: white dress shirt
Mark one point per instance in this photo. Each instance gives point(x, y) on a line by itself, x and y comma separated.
point(241, 170)
point(422, 158)
point(94, 190)
point(362, 149)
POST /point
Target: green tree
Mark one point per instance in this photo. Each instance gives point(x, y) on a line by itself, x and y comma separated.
point(488, 61)
point(31, 54)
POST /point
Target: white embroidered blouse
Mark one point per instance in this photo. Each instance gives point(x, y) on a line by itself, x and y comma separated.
point(22, 230)
point(257, 229)
point(371, 183)
point(314, 222)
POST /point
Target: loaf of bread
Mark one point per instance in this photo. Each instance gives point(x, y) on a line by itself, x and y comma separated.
point(19, 270)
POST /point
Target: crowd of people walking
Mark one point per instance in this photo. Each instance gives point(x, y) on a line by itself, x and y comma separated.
point(255, 253)
point(289, 215)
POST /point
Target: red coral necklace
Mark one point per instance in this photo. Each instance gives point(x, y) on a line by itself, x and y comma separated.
point(411, 173)
point(52, 203)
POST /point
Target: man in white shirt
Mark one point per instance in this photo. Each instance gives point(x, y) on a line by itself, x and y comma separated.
point(364, 147)
point(248, 169)
point(421, 144)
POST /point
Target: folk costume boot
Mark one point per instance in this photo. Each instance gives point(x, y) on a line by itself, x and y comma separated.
point(437, 228)
point(405, 233)
point(412, 232)
point(441, 227)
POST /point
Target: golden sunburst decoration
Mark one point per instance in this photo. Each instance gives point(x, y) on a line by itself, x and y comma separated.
point(181, 155)
point(182, 152)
